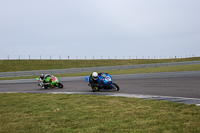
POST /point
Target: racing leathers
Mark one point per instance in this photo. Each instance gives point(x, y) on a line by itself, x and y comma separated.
point(93, 82)
point(45, 79)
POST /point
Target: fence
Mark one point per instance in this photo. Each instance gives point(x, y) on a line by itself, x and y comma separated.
point(90, 69)
point(29, 57)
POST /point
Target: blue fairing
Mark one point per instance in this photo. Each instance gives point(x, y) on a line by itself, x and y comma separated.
point(107, 81)
point(87, 78)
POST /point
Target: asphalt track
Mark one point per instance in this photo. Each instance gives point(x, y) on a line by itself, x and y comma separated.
point(181, 87)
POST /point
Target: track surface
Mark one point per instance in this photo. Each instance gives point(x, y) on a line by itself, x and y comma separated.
point(175, 84)
point(164, 84)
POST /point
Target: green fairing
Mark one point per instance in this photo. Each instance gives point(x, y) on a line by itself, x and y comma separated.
point(47, 79)
point(53, 82)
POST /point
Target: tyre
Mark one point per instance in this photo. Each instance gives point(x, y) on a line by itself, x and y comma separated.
point(93, 90)
point(115, 87)
point(45, 87)
point(60, 85)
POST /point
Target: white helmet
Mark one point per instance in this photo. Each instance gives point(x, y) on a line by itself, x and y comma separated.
point(95, 75)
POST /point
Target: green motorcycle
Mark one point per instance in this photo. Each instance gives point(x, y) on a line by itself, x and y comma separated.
point(49, 82)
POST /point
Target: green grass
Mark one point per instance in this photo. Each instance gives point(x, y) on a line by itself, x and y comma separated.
point(27, 112)
point(195, 67)
point(27, 65)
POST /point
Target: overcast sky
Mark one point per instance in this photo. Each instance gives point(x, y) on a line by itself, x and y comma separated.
point(99, 28)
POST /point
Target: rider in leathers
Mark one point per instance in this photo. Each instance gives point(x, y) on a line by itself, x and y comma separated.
point(43, 77)
point(93, 79)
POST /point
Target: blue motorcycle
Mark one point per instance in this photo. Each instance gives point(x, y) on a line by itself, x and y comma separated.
point(104, 82)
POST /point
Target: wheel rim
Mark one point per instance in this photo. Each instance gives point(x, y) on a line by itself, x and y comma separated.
point(114, 87)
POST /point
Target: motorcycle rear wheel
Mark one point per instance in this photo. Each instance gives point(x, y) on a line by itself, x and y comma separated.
point(45, 87)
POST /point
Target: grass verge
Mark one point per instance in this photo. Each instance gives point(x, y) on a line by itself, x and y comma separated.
point(28, 65)
point(194, 67)
point(27, 112)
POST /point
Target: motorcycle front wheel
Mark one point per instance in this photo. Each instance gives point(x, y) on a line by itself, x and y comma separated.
point(115, 87)
point(60, 85)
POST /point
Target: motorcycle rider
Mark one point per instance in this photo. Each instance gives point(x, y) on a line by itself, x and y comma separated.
point(93, 79)
point(47, 75)
point(43, 78)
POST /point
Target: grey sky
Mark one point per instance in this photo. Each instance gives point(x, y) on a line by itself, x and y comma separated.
point(99, 28)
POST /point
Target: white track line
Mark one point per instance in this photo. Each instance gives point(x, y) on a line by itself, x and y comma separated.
point(184, 100)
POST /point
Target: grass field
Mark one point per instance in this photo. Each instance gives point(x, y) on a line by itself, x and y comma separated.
point(28, 112)
point(26, 65)
point(85, 113)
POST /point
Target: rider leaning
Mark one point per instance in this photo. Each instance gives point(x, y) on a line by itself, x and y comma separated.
point(93, 78)
point(44, 76)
